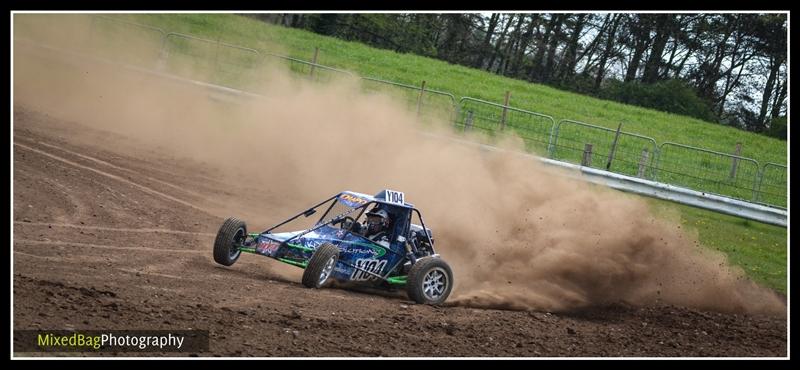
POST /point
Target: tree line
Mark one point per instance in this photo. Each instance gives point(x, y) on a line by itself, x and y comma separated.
point(727, 68)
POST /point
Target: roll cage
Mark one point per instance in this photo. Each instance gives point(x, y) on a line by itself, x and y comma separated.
point(329, 218)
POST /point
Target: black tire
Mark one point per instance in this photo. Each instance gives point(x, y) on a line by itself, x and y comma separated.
point(415, 286)
point(312, 276)
point(233, 232)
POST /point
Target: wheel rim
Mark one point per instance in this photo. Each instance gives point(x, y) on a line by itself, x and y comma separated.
point(434, 283)
point(238, 239)
point(326, 271)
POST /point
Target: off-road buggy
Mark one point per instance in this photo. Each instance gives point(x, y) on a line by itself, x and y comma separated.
point(335, 247)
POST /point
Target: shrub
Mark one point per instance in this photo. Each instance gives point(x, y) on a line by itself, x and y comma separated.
point(672, 96)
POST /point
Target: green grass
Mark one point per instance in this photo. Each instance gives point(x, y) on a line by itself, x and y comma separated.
point(759, 249)
point(693, 169)
point(463, 81)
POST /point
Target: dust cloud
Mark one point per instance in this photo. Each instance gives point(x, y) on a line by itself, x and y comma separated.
point(518, 235)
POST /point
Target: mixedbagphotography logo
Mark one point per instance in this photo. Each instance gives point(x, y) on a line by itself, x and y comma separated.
point(191, 341)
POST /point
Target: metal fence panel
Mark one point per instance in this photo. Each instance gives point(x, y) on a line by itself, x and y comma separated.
point(570, 139)
point(772, 187)
point(427, 103)
point(127, 41)
point(707, 171)
point(312, 71)
point(215, 61)
point(535, 129)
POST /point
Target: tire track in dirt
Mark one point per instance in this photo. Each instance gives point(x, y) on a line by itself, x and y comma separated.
point(118, 178)
point(104, 163)
point(90, 245)
point(114, 229)
point(62, 206)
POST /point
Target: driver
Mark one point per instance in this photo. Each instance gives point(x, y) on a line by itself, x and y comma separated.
point(377, 226)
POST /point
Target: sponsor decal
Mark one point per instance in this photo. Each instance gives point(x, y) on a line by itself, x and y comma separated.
point(346, 246)
point(352, 201)
point(357, 250)
point(311, 243)
point(369, 264)
point(266, 246)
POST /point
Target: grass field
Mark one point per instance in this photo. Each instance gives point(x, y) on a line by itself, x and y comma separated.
point(463, 81)
point(704, 171)
point(760, 249)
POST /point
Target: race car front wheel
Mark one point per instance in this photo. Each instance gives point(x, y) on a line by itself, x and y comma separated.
point(429, 281)
point(230, 236)
point(320, 266)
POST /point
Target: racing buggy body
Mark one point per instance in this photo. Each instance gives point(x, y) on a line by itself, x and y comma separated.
point(335, 247)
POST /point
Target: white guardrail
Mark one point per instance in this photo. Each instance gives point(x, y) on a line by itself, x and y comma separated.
point(690, 197)
point(712, 202)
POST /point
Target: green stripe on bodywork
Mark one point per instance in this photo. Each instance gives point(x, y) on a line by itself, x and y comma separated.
point(400, 280)
point(247, 250)
point(298, 246)
point(302, 264)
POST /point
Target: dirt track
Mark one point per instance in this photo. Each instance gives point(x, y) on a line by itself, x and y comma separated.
point(107, 239)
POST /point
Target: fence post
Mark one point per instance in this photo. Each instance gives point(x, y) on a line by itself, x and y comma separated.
point(737, 151)
point(216, 54)
point(505, 110)
point(758, 182)
point(587, 156)
point(456, 112)
point(613, 148)
point(163, 54)
point(419, 99)
point(314, 61)
point(554, 139)
point(643, 163)
point(468, 121)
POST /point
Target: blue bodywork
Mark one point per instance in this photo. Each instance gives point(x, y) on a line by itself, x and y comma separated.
point(360, 259)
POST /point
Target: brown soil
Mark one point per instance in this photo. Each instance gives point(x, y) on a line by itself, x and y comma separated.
point(106, 237)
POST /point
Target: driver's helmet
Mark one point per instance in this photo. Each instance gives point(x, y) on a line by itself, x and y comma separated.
point(377, 221)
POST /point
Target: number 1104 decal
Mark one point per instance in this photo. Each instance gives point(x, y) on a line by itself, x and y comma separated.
point(372, 265)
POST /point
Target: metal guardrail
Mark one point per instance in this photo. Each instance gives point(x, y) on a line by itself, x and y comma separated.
point(721, 204)
point(725, 205)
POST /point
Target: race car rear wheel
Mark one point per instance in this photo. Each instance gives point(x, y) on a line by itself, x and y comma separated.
point(320, 266)
point(429, 281)
point(230, 236)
